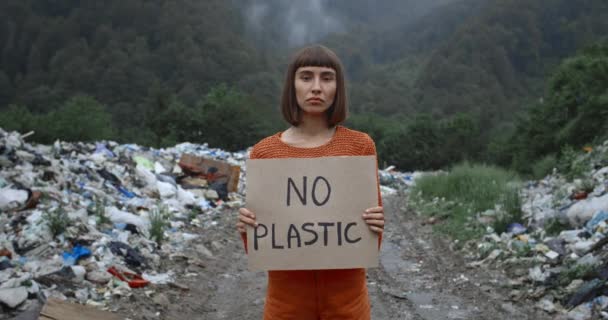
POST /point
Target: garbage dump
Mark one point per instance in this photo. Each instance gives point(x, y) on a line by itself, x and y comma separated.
point(557, 256)
point(85, 224)
point(88, 222)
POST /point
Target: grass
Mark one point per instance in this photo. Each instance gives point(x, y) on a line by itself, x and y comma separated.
point(159, 221)
point(99, 211)
point(57, 220)
point(554, 227)
point(575, 272)
point(573, 164)
point(544, 167)
point(466, 190)
point(194, 212)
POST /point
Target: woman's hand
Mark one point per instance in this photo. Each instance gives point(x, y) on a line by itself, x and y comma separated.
point(246, 217)
point(374, 217)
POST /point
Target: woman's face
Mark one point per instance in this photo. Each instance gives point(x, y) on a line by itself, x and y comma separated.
point(315, 88)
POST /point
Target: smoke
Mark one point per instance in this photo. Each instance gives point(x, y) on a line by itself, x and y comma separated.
point(300, 22)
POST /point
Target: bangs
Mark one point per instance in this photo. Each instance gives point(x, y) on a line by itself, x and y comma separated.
point(316, 56)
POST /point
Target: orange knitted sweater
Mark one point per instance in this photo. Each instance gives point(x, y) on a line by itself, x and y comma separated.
point(317, 294)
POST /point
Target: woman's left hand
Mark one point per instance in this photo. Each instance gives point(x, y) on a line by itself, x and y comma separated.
point(374, 217)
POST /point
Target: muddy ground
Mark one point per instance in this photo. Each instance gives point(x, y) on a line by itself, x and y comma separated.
point(419, 278)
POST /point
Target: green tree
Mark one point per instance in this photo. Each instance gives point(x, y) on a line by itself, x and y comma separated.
point(18, 118)
point(81, 118)
point(229, 120)
point(575, 111)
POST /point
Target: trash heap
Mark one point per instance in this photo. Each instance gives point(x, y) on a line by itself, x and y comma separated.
point(393, 181)
point(90, 221)
point(558, 256)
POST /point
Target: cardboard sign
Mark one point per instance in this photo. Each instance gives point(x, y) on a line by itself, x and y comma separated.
point(310, 211)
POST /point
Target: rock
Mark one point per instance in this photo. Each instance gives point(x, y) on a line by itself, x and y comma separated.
point(13, 297)
point(211, 194)
point(547, 305)
point(509, 308)
point(217, 245)
point(204, 250)
point(99, 277)
point(161, 300)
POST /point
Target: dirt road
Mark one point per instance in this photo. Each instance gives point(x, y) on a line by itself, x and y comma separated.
point(418, 278)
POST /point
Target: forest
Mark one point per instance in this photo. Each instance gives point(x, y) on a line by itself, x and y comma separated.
point(517, 83)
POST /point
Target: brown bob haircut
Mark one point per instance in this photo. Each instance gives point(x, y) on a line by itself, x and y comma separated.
point(314, 56)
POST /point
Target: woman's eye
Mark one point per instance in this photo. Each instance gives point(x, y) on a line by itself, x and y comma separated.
point(305, 78)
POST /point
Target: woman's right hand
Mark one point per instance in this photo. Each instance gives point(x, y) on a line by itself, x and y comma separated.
point(246, 218)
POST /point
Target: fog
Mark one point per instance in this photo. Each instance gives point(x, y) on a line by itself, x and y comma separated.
point(294, 23)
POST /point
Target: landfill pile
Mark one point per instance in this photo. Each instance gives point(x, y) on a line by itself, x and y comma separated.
point(90, 222)
point(558, 256)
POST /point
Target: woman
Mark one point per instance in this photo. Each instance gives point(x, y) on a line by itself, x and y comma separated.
point(314, 103)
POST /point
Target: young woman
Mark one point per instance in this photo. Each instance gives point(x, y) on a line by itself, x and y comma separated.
point(314, 103)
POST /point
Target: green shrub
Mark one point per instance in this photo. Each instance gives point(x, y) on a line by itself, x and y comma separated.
point(469, 189)
point(81, 118)
point(544, 166)
point(18, 118)
point(481, 186)
point(575, 272)
point(554, 227)
point(98, 209)
point(572, 164)
point(56, 220)
point(510, 203)
point(159, 221)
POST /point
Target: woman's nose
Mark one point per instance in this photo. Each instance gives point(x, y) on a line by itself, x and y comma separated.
point(316, 85)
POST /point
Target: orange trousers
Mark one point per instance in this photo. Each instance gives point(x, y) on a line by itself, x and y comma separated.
point(317, 295)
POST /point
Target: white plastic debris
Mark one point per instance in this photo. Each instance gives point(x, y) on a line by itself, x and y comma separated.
point(118, 216)
point(13, 297)
point(166, 190)
point(583, 211)
point(12, 198)
point(538, 275)
point(162, 278)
